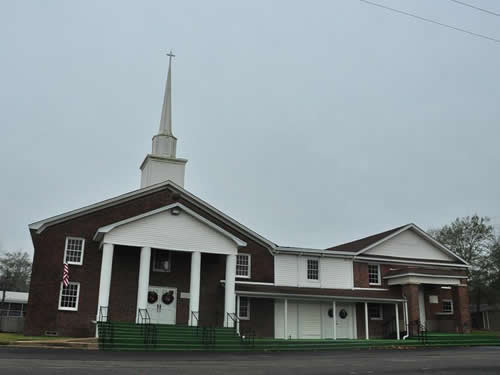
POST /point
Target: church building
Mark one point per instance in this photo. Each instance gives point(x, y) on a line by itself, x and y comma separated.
point(162, 252)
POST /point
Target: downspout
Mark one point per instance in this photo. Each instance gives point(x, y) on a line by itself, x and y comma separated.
point(353, 260)
point(407, 320)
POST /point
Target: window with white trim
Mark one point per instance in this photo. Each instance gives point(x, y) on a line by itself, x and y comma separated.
point(243, 262)
point(448, 306)
point(374, 274)
point(312, 269)
point(73, 250)
point(68, 296)
point(375, 311)
point(162, 261)
point(244, 308)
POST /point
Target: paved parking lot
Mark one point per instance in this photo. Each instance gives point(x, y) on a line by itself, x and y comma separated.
point(418, 361)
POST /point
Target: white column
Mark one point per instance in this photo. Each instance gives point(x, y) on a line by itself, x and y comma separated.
point(229, 299)
point(143, 282)
point(286, 319)
point(105, 280)
point(366, 321)
point(334, 307)
point(194, 287)
point(397, 321)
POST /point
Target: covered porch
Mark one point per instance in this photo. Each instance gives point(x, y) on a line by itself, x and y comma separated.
point(155, 266)
point(438, 300)
point(338, 314)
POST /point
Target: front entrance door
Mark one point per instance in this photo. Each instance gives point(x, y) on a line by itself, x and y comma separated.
point(162, 304)
point(345, 320)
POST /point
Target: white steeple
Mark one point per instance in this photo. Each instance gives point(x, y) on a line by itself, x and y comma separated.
point(164, 143)
point(162, 164)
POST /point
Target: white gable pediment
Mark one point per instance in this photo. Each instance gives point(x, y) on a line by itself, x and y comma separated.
point(161, 229)
point(410, 244)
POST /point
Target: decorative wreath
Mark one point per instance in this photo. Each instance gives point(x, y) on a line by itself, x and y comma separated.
point(152, 297)
point(168, 297)
point(330, 313)
point(343, 314)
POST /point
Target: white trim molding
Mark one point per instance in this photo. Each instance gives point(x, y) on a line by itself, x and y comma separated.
point(249, 266)
point(247, 317)
point(82, 251)
point(379, 276)
point(249, 282)
point(368, 259)
point(75, 308)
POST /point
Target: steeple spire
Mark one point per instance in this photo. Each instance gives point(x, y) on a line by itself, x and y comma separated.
point(164, 143)
point(166, 112)
point(162, 164)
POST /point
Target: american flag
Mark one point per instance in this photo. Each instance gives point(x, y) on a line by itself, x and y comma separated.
point(65, 274)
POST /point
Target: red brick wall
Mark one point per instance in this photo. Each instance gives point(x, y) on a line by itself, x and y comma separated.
point(361, 275)
point(261, 317)
point(124, 279)
point(375, 327)
point(462, 308)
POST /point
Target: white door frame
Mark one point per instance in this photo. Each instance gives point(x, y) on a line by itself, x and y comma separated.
point(155, 318)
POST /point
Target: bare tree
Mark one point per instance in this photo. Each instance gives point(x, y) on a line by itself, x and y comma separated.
point(15, 272)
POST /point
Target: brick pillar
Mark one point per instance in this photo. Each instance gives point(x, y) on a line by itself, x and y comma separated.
point(462, 308)
point(410, 291)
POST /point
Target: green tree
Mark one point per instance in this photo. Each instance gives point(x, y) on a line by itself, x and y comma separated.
point(472, 238)
point(495, 264)
point(15, 271)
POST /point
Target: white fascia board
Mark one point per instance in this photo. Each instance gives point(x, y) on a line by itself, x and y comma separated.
point(249, 282)
point(316, 297)
point(425, 275)
point(417, 280)
point(317, 252)
point(103, 230)
point(410, 262)
point(422, 233)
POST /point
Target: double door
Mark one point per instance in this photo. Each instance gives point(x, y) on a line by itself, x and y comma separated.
point(162, 304)
point(345, 315)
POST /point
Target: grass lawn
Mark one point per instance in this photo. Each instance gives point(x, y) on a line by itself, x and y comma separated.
point(5, 338)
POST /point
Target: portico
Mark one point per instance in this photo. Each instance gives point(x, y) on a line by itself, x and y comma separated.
point(173, 228)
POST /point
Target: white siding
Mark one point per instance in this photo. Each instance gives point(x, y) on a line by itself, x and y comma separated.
point(286, 270)
point(310, 320)
point(409, 245)
point(293, 316)
point(279, 320)
point(175, 232)
point(334, 273)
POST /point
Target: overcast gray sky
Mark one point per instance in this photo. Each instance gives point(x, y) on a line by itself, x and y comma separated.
point(311, 122)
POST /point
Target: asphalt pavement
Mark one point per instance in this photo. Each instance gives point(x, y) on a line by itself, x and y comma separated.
point(478, 360)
